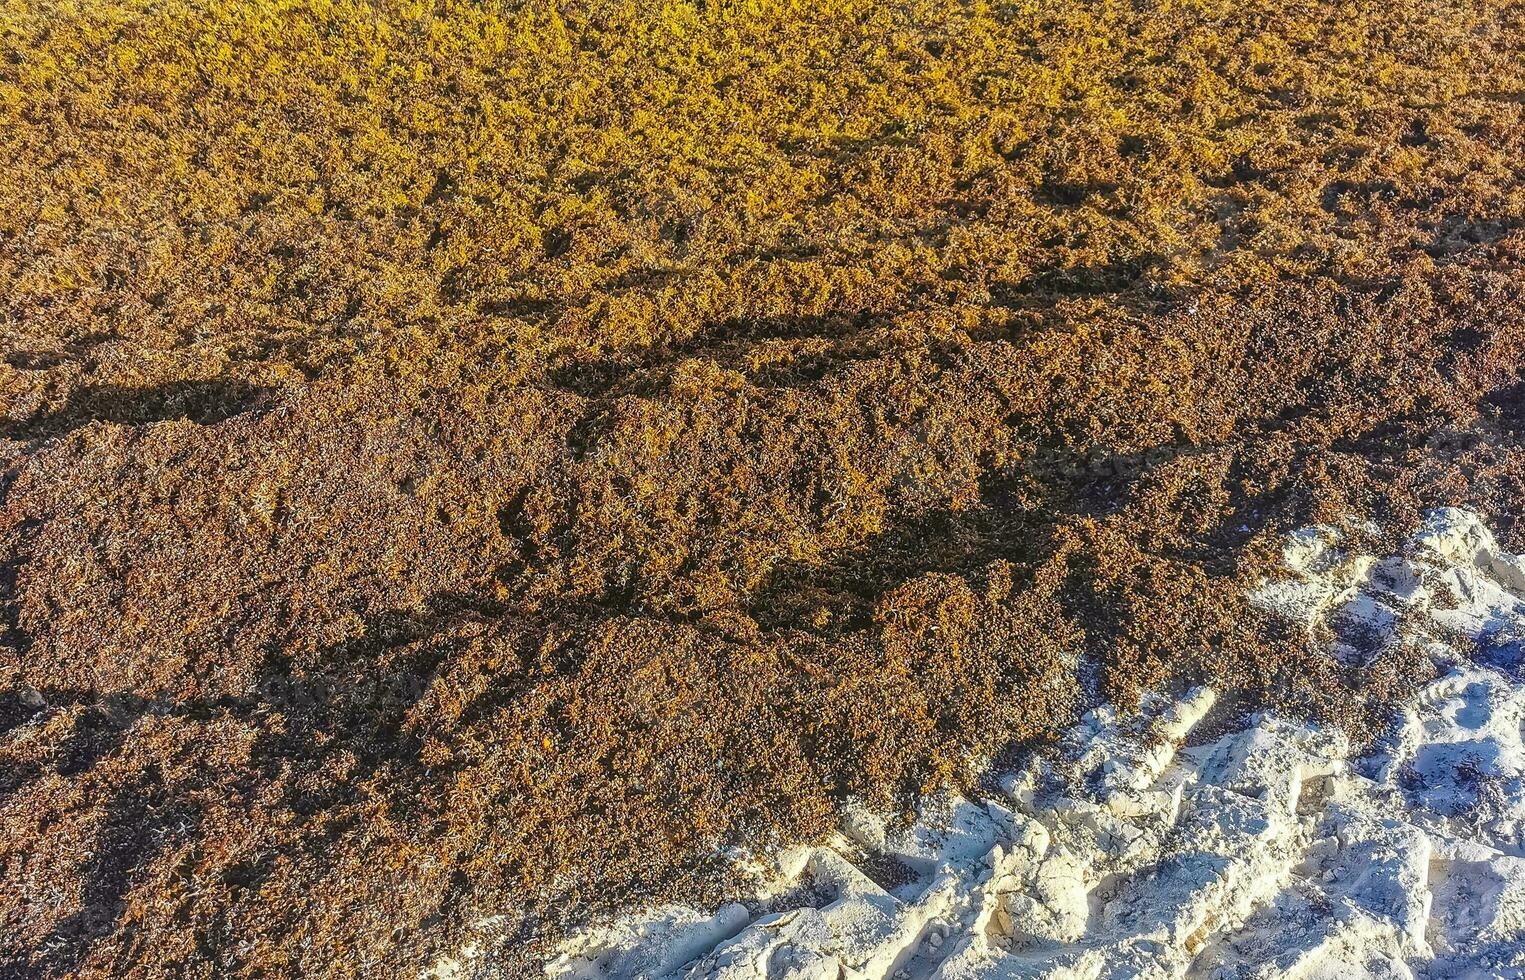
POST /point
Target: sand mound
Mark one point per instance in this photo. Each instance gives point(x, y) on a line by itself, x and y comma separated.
point(1273, 850)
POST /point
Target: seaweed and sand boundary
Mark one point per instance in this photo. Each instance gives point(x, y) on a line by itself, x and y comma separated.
point(482, 459)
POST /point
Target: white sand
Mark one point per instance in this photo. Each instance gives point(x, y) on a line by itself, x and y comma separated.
point(1270, 852)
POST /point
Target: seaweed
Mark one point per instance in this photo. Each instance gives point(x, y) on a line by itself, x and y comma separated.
point(478, 458)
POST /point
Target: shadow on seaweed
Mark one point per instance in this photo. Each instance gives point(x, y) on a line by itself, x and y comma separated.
point(202, 402)
point(646, 370)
